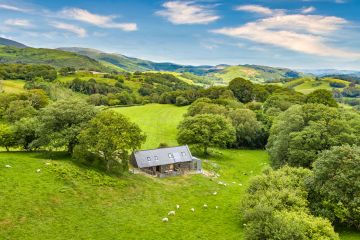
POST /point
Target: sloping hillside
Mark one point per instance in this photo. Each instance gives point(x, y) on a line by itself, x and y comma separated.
point(135, 64)
point(8, 42)
point(307, 85)
point(220, 74)
point(55, 58)
point(254, 73)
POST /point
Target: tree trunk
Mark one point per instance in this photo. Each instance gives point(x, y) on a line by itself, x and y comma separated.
point(70, 148)
point(108, 163)
point(205, 150)
point(7, 148)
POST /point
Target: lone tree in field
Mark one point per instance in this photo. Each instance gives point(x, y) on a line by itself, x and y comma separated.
point(206, 130)
point(62, 121)
point(111, 137)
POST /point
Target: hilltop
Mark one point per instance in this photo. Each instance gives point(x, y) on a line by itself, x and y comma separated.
point(8, 42)
point(220, 74)
point(52, 57)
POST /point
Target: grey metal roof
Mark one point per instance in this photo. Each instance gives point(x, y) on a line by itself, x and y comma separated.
point(162, 156)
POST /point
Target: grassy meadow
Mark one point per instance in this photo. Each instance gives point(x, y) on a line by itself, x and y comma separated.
point(12, 86)
point(158, 121)
point(67, 201)
point(308, 85)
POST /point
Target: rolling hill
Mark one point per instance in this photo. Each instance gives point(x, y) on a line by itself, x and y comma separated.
point(8, 42)
point(92, 59)
point(219, 74)
point(135, 64)
point(254, 73)
point(55, 58)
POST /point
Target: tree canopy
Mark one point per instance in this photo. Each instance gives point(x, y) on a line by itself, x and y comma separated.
point(299, 134)
point(276, 207)
point(321, 96)
point(62, 121)
point(111, 137)
point(335, 185)
point(206, 130)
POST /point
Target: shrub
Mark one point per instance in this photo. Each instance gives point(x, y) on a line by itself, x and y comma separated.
point(181, 101)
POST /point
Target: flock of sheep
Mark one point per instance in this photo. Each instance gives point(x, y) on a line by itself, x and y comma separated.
point(172, 213)
point(37, 170)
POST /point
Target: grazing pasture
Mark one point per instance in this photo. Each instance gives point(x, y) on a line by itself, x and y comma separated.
point(67, 201)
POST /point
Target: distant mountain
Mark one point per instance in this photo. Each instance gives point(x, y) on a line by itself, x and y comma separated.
point(255, 73)
point(221, 73)
point(134, 64)
point(8, 42)
point(55, 58)
point(324, 72)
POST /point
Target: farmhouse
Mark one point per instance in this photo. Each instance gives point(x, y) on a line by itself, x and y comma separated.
point(169, 161)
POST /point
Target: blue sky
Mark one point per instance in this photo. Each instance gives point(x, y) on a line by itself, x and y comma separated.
point(301, 34)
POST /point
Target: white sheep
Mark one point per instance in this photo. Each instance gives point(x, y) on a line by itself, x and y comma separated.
point(205, 205)
point(8, 166)
point(240, 184)
point(165, 219)
point(192, 209)
point(216, 207)
point(171, 213)
point(233, 182)
point(38, 170)
point(47, 164)
point(214, 193)
point(177, 206)
point(220, 183)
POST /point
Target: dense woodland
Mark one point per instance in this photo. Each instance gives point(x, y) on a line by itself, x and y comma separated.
point(312, 140)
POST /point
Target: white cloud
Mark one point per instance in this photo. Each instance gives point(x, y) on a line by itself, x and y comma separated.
point(258, 9)
point(308, 10)
point(302, 33)
point(81, 32)
point(340, 1)
point(18, 23)
point(187, 12)
point(13, 8)
point(95, 19)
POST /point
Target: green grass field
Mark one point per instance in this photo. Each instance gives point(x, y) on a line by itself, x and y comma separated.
point(12, 86)
point(308, 85)
point(158, 121)
point(66, 201)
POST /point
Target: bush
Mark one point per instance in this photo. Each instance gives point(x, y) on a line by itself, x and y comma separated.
point(181, 101)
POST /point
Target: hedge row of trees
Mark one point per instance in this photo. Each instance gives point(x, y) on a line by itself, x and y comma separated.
point(103, 139)
point(90, 87)
point(27, 72)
